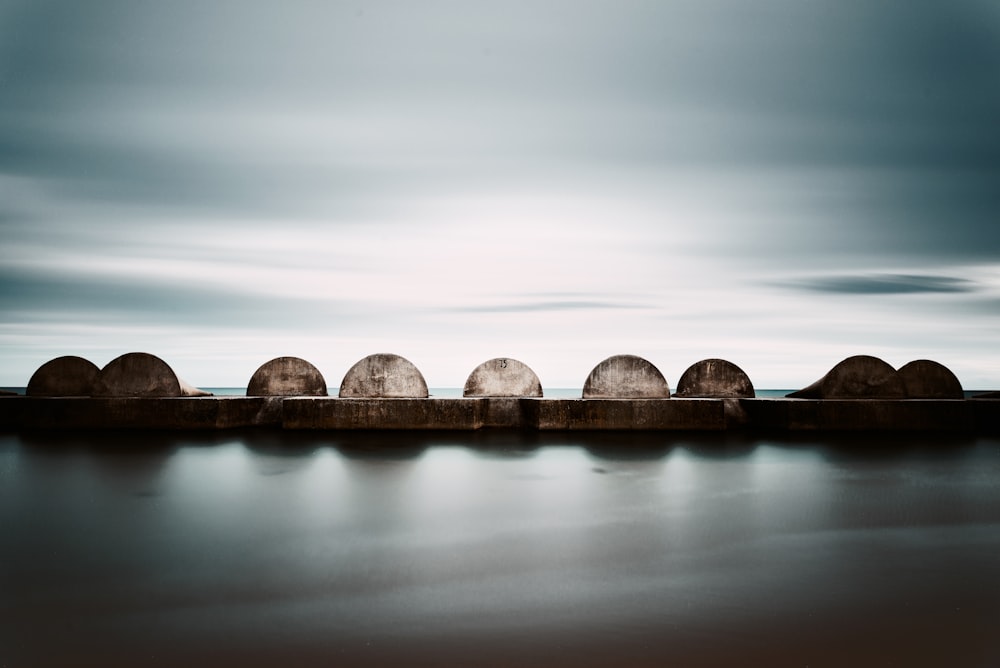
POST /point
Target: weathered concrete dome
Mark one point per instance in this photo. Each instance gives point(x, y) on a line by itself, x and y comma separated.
point(384, 375)
point(625, 377)
point(857, 377)
point(502, 377)
point(287, 377)
point(714, 378)
point(67, 376)
point(137, 375)
point(927, 379)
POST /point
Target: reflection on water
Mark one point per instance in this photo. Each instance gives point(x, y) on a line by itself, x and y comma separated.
point(497, 548)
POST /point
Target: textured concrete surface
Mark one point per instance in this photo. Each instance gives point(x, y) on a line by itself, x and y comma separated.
point(509, 412)
point(987, 412)
point(67, 376)
point(714, 378)
point(504, 412)
point(62, 413)
point(974, 415)
point(384, 375)
point(927, 379)
point(287, 377)
point(502, 377)
point(381, 413)
point(625, 377)
point(639, 414)
point(137, 375)
point(864, 415)
point(857, 377)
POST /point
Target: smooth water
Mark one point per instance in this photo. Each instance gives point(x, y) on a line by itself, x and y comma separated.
point(269, 548)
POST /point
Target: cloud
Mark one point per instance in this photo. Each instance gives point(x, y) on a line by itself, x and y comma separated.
point(72, 297)
point(543, 306)
point(619, 169)
point(884, 284)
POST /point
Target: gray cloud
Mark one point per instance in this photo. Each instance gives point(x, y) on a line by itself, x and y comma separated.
point(543, 306)
point(885, 284)
point(44, 296)
point(817, 137)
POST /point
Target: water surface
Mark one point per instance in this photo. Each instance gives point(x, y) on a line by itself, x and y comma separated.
point(270, 548)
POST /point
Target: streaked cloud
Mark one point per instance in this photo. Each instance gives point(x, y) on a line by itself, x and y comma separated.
point(555, 181)
point(885, 284)
point(567, 305)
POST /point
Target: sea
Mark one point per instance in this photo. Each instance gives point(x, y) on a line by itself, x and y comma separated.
point(498, 548)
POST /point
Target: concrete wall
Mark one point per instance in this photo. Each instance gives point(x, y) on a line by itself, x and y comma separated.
point(137, 375)
point(502, 377)
point(865, 415)
point(64, 413)
point(961, 415)
point(926, 379)
point(625, 377)
point(384, 375)
point(714, 378)
point(384, 391)
point(639, 414)
point(866, 377)
point(286, 377)
point(504, 412)
point(67, 376)
point(370, 413)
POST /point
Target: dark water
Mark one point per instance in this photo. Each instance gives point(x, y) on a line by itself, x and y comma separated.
point(263, 549)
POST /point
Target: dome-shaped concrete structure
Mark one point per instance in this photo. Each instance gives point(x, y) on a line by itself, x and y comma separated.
point(137, 375)
point(857, 377)
point(502, 377)
point(384, 375)
point(287, 377)
point(625, 377)
point(927, 379)
point(67, 376)
point(714, 378)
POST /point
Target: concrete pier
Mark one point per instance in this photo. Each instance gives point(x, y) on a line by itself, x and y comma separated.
point(870, 415)
point(386, 391)
point(525, 413)
point(85, 413)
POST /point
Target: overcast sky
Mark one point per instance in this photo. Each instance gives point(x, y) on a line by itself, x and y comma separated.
point(778, 183)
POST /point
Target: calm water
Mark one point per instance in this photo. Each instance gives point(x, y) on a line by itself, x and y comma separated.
point(267, 548)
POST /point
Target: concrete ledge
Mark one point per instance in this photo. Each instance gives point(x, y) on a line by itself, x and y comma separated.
point(987, 412)
point(632, 414)
point(907, 415)
point(380, 413)
point(139, 412)
point(509, 412)
point(861, 414)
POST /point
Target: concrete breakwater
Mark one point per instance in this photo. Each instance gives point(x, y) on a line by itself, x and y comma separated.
point(386, 391)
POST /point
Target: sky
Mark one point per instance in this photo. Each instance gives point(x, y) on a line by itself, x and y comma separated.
point(779, 183)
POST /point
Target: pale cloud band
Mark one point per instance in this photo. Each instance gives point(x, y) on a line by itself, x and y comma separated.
point(779, 183)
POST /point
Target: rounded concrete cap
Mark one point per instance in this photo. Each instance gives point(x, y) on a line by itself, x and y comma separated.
point(384, 375)
point(502, 377)
point(68, 376)
point(927, 379)
point(625, 377)
point(857, 377)
point(287, 377)
point(714, 378)
point(137, 375)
